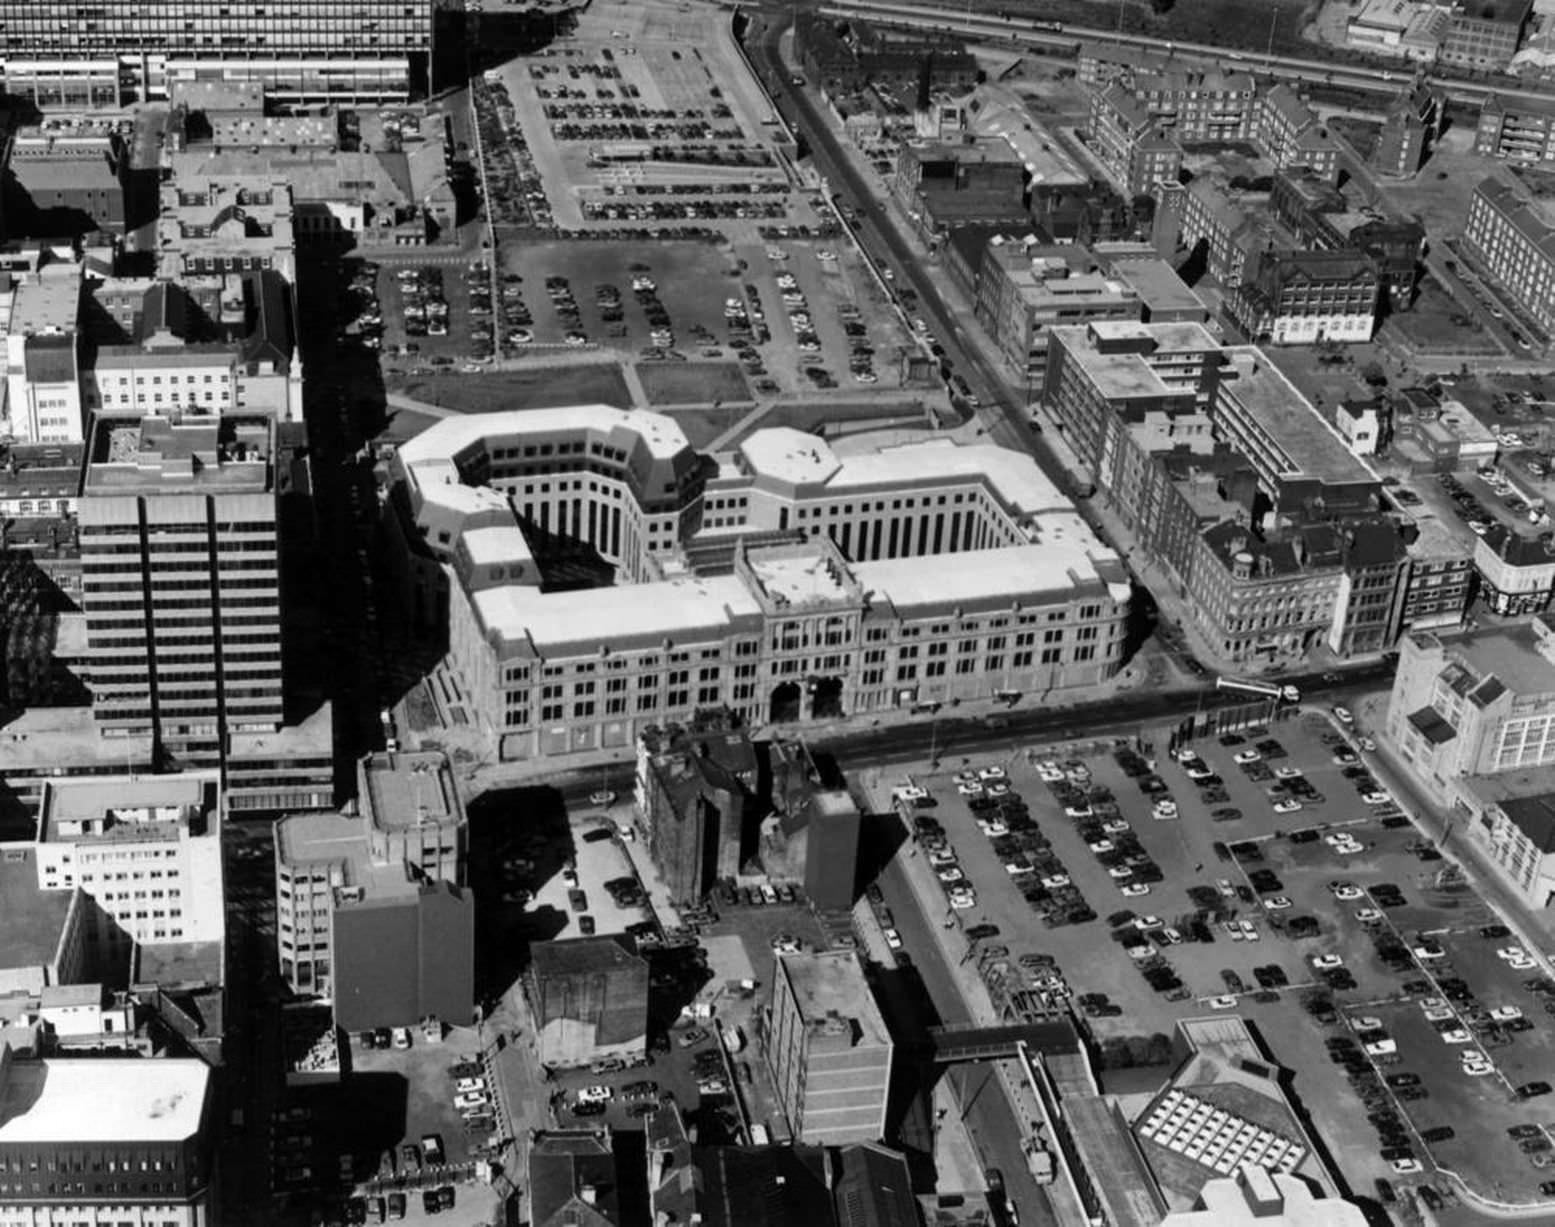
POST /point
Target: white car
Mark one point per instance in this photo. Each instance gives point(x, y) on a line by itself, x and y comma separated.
point(1077, 811)
point(1479, 1068)
point(1521, 964)
point(952, 873)
point(1381, 1048)
point(997, 828)
point(596, 1094)
point(1120, 873)
point(1347, 847)
point(1287, 806)
point(998, 788)
point(1505, 1013)
point(1115, 826)
point(1276, 903)
point(1164, 814)
point(1147, 922)
point(1376, 797)
point(1049, 773)
point(1366, 1022)
point(1368, 915)
point(1326, 962)
point(1455, 1035)
point(1428, 952)
point(1101, 845)
point(909, 792)
point(1221, 1003)
point(1287, 773)
point(1197, 770)
point(1234, 931)
point(1249, 930)
point(966, 777)
point(1406, 1167)
point(1366, 743)
point(1511, 953)
point(962, 903)
point(1139, 951)
point(893, 939)
point(471, 1099)
point(994, 772)
point(1439, 1014)
point(974, 789)
point(1135, 890)
point(941, 859)
point(468, 1086)
point(1057, 880)
point(1342, 714)
point(1246, 756)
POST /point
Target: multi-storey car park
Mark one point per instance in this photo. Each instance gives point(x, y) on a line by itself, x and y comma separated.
point(782, 579)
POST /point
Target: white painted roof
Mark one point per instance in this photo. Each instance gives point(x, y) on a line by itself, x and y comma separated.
point(660, 434)
point(101, 1101)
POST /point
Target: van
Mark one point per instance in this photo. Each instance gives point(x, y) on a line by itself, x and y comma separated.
point(760, 1136)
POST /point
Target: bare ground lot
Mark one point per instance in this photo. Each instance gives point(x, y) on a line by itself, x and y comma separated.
point(694, 383)
point(537, 387)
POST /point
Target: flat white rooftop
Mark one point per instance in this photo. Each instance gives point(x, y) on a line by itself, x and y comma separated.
point(660, 434)
point(101, 1101)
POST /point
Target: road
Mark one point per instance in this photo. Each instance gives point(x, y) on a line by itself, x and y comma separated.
point(1296, 68)
point(946, 735)
point(879, 237)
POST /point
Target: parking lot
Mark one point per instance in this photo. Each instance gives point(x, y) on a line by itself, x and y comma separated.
point(796, 314)
point(1287, 887)
point(651, 123)
point(435, 315)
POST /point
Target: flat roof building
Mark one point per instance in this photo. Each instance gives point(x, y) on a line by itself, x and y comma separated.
point(775, 563)
point(133, 1132)
point(373, 910)
point(161, 491)
point(321, 53)
point(588, 997)
point(828, 1049)
point(1254, 1197)
point(1511, 234)
point(105, 834)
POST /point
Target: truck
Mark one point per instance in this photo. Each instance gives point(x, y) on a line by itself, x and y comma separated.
point(1272, 690)
point(1039, 1162)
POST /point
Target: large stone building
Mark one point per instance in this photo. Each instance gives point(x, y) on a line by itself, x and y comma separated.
point(182, 591)
point(828, 1049)
point(781, 580)
point(311, 53)
point(588, 1000)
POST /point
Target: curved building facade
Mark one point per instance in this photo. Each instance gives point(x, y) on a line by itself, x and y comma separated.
point(783, 579)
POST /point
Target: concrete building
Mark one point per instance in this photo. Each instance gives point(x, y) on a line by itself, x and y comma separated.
point(1484, 37)
point(695, 792)
point(977, 180)
point(372, 909)
point(66, 181)
point(1472, 714)
point(828, 1049)
point(318, 53)
point(227, 224)
point(1410, 129)
point(1231, 226)
point(134, 1137)
point(391, 192)
point(290, 770)
point(1128, 140)
point(1516, 130)
point(1326, 218)
point(1164, 298)
point(588, 999)
point(1403, 29)
point(43, 350)
point(847, 57)
point(1307, 297)
point(211, 343)
point(146, 850)
point(572, 1179)
point(1512, 235)
point(781, 580)
point(1475, 703)
point(46, 743)
point(45, 942)
point(182, 599)
point(1255, 1197)
point(1291, 133)
point(1027, 293)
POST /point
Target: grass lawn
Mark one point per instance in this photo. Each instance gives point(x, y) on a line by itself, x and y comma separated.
point(535, 388)
point(692, 383)
point(1436, 322)
point(1243, 24)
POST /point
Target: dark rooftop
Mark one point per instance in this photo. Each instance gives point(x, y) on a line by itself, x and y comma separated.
point(572, 1179)
point(1535, 818)
point(1431, 725)
point(31, 919)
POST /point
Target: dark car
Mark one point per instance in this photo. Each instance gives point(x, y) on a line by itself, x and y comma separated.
point(430, 1201)
point(1429, 1197)
point(1385, 1193)
point(982, 932)
point(1441, 1133)
point(1531, 1090)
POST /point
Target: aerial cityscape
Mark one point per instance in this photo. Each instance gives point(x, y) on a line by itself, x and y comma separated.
point(650, 613)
